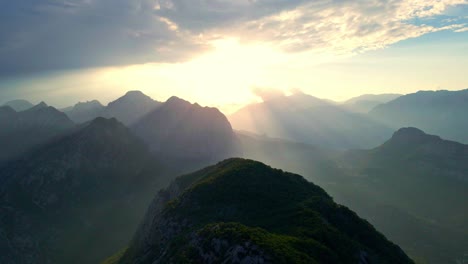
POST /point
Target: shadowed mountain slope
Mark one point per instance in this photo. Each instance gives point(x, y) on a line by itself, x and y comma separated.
point(82, 192)
point(21, 131)
point(185, 131)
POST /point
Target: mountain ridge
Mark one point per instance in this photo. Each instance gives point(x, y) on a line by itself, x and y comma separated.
point(307, 119)
point(215, 199)
point(437, 112)
point(59, 197)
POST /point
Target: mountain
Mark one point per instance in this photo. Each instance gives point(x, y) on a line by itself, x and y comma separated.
point(24, 130)
point(128, 109)
point(420, 183)
point(19, 105)
point(411, 188)
point(131, 107)
point(184, 131)
point(307, 119)
point(437, 112)
point(242, 211)
point(366, 102)
point(85, 111)
point(77, 198)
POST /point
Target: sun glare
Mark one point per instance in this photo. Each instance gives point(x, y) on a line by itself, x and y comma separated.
point(224, 75)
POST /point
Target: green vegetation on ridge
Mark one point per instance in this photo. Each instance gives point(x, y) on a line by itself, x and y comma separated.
point(279, 214)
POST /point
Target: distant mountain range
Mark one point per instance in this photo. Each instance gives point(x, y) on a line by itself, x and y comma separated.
point(242, 211)
point(441, 113)
point(21, 131)
point(307, 119)
point(421, 176)
point(57, 198)
point(413, 187)
point(85, 111)
point(366, 102)
point(60, 200)
point(127, 109)
point(60, 182)
point(19, 105)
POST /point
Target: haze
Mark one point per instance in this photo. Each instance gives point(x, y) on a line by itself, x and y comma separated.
point(217, 52)
point(234, 131)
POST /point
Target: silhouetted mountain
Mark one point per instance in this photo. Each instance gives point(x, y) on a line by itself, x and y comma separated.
point(184, 131)
point(19, 105)
point(307, 119)
point(24, 130)
point(242, 211)
point(421, 176)
point(437, 112)
point(366, 102)
point(131, 107)
point(127, 109)
point(83, 112)
point(77, 198)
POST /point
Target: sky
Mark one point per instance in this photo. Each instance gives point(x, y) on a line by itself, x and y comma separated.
point(228, 53)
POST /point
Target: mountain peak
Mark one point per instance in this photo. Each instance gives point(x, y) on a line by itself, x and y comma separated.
point(88, 104)
point(176, 100)
point(19, 104)
point(104, 121)
point(101, 123)
point(39, 106)
point(253, 198)
point(131, 107)
point(181, 129)
point(135, 93)
point(410, 136)
point(132, 97)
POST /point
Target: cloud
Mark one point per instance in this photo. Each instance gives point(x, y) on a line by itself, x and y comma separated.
point(267, 93)
point(334, 26)
point(347, 27)
point(39, 35)
point(50, 34)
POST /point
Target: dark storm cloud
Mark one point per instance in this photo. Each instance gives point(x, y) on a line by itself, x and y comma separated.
point(47, 34)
